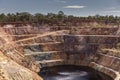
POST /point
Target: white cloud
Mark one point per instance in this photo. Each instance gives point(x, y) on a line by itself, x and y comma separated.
point(2, 9)
point(60, 1)
point(112, 8)
point(114, 11)
point(74, 7)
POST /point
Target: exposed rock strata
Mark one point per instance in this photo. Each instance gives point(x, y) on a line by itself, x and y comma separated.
point(77, 50)
point(11, 61)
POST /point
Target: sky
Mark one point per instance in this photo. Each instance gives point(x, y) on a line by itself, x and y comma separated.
point(69, 7)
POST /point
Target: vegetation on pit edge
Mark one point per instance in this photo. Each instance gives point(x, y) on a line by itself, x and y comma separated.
point(59, 19)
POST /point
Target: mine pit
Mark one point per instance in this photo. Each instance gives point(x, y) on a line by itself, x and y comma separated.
point(58, 54)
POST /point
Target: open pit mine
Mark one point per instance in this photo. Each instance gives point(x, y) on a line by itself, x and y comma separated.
point(41, 53)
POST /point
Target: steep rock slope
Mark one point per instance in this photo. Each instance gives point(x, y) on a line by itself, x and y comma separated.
point(9, 68)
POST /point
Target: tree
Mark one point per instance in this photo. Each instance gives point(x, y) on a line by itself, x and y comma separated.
point(25, 16)
point(61, 15)
point(3, 17)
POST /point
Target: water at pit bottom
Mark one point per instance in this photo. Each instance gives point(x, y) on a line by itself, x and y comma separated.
point(69, 73)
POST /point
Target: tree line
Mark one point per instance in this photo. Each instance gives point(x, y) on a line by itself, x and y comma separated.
point(57, 19)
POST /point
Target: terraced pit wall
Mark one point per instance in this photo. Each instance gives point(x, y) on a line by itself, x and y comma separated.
point(75, 50)
point(84, 51)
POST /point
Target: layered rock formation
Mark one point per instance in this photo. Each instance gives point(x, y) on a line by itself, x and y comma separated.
point(74, 50)
point(11, 65)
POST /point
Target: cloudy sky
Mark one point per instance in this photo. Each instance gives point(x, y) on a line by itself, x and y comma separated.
point(70, 7)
